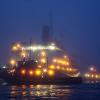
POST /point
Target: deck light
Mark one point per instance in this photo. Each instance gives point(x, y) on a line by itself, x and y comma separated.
point(45, 70)
point(43, 53)
point(12, 62)
point(30, 72)
point(51, 72)
point(18, 45)
point(38, 72)
point(58, 67)
point(23, 71)
point(14, 48)
point(43, 60)
point(52, 67)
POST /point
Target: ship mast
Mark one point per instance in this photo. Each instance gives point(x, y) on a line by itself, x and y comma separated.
point(30, 52)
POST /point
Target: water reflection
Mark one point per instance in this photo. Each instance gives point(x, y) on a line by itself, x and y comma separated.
point(52, 92)
point(34, 92)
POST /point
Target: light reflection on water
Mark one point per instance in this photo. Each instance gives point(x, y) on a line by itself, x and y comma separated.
point(39, 92)
point(51, 92)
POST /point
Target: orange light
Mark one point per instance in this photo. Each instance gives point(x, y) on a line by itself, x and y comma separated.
point(51, 72)
point(70, 69)
point(43, 53)
point(23, 72)
point(67, 64)
point(96, 76)
point(45, 70)
point(43, 60)
point(23, 54)
point(54, 60)
point(61, 61)
point(31, 72)
point(14, 48)
point(58, 67)
point(38, 72)
point(18, 45)
point(87, 75)
point(51, 66)
point(92, 75)
point(67, 69)
point(12, 62)
point(63, 68)
point(39, 66)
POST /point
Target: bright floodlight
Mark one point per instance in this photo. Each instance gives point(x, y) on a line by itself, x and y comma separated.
point(41, 47)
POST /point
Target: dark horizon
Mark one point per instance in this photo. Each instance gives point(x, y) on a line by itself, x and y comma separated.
point(76, 24)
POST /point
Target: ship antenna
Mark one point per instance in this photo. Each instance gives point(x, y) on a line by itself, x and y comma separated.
point(51, 25)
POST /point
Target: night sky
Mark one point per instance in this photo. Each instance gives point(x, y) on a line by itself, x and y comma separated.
point(76, 24)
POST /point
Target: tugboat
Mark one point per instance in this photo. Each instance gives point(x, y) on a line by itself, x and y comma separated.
point(39, 64)
point(92, 76)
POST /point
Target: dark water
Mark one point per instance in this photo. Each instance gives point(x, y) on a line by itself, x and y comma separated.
point(51, 92)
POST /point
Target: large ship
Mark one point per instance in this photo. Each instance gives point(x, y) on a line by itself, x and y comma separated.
point(39, 64)
point(44, 63)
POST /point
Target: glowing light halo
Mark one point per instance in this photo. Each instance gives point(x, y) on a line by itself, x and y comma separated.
point(41, 47)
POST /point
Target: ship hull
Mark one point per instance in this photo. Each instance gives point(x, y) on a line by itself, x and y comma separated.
point(44, 81)
point(17, 79)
